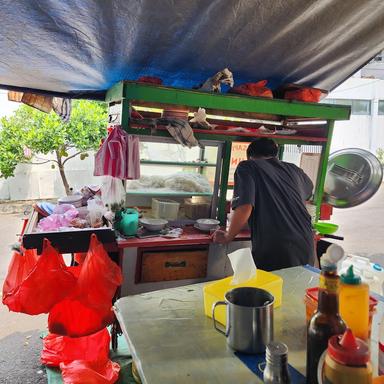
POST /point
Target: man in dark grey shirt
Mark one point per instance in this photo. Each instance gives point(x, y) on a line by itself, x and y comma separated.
point(270, 194)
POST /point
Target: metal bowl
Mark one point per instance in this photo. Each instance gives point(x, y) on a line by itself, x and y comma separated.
point(207, 224)
point(353, 176)
point(153, 224)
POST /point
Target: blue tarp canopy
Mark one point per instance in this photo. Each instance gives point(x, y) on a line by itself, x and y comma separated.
point(83, 47)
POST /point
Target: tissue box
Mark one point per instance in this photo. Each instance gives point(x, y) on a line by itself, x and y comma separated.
point(216, 290)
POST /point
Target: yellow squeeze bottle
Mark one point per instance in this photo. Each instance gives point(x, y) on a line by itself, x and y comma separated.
point(354, 303)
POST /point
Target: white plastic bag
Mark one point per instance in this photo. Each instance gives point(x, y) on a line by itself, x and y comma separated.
point(96, 210)
point(113, 193)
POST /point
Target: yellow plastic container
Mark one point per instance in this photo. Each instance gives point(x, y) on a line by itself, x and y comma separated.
point(215, 291)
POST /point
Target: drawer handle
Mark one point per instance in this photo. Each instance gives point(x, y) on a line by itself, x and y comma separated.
point(175, 264)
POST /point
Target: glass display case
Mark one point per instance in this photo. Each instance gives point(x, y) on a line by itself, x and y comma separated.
point(176, 173)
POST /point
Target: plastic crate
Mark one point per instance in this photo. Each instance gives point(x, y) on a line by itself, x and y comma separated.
point(311, 297)
point(165, 209)
point(215, 291)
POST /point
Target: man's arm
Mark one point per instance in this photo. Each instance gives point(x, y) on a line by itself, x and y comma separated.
point(239, 219)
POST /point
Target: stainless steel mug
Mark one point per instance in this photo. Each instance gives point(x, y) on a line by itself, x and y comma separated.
point(249, 319)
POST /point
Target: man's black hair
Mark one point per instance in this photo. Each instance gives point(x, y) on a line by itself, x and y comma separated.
point(262, 147)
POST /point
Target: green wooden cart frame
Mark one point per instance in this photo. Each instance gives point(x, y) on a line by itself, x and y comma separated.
point(305, 116)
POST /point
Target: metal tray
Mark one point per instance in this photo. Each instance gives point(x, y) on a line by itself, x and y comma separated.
point(65, 241)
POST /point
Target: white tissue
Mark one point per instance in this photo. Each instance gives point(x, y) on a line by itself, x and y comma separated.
point(243, 266)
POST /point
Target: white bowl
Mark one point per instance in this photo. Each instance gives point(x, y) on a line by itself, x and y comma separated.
point(153, 224)
point(207, 224)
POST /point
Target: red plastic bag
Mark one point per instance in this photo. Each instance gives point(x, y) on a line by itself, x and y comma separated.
point(253, 89)
point(89, 308)
point(47, 283)
point(310, 95)
point(82, 372)
point(20, 266)
point(62, 349)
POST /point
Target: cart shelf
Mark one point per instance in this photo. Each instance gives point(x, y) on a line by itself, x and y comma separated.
point(165, 192)
point(181, 163)
point(232, 136)
point(223, 104)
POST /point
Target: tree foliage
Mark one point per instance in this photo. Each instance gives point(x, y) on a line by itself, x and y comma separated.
point(380, 155)
point(28, 134)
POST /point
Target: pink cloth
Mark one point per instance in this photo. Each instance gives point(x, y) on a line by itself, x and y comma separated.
point(119, 156)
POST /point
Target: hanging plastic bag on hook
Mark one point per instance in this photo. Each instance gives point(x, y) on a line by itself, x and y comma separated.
point(21, 265)
point(46, 284)
point(89, 308)
point(113, 193)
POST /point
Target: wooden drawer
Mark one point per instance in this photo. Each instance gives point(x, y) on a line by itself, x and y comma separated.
point(176, 264)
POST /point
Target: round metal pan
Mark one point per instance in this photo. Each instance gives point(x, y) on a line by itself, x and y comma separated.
point(353, 176)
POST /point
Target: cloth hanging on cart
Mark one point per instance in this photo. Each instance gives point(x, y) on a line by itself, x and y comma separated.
point(119, 156)
point(180, 130)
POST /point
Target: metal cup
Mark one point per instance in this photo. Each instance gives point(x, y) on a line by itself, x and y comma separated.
point(249, 319)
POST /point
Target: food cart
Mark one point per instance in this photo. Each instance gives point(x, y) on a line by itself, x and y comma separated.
point(183, 43)
point(153, 263)
point(313, 124)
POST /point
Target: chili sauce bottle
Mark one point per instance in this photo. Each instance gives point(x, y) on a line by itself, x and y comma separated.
point(326, 321)
point(347, 361)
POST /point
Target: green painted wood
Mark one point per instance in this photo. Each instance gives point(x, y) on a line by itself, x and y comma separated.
point(155, 94)
point(125, 114)
point(115, 93)
point(182, 163)
point(224, 183)
point(319, 190)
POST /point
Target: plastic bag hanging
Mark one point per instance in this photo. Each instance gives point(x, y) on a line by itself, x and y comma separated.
point(20, 266)
point(48, 282)
point(89, 308)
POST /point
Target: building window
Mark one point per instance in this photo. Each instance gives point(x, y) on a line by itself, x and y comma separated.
point(358, 107)
point(381, 107)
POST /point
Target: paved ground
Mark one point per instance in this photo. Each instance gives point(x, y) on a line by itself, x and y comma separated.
point(20, 345)
point(20, 342)
point(363, 228)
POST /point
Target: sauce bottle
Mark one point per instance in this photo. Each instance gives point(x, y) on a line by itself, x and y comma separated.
point(354, 303)
point(347, 361)
point(326, 321)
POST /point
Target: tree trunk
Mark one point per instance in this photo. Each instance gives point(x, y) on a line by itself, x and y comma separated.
point(62, 173)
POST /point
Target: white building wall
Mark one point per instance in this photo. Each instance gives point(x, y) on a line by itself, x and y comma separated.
point(361, 131)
